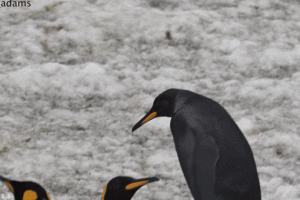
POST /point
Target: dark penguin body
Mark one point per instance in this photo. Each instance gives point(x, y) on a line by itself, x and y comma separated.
point(124, 187)
point(214, 155)
point(26, 190)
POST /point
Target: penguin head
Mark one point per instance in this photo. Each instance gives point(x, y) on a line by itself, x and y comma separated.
point(26, 190)
point(163, 106)
point(123, 187)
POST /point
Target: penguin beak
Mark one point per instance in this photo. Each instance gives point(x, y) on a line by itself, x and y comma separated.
point(150, 115)
point(140, 182)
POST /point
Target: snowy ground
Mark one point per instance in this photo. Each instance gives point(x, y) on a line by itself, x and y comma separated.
point(75, 76)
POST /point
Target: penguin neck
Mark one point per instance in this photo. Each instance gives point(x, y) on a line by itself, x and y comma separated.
point(180, 101)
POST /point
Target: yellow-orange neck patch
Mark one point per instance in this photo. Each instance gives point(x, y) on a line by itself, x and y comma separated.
point(48, 196)
point(30, 195)
point(151, 116)
point(104, 191)
point(9, 186)
point(135, 185)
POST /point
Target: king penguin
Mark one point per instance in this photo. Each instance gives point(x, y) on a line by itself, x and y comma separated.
point(26, 190)
point(214, 155)
point(124, 187)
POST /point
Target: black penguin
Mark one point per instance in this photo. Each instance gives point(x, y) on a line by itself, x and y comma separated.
point(123, 187)
point(214, 155)
point(26, 190)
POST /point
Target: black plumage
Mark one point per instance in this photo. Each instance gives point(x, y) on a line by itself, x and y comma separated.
point(123, 187)
point(26, 190)
point(214, 155)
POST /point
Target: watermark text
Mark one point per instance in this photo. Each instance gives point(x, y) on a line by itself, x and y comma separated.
point(14, 4)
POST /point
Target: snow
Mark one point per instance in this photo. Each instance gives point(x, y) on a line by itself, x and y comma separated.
point(91, 78)
point(245, 125)
point(75, 76)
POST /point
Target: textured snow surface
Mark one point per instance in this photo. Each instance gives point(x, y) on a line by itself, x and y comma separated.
point(75, 76)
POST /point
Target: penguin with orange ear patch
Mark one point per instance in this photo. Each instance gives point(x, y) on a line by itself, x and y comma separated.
point(26, 190)
point(123, 187)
